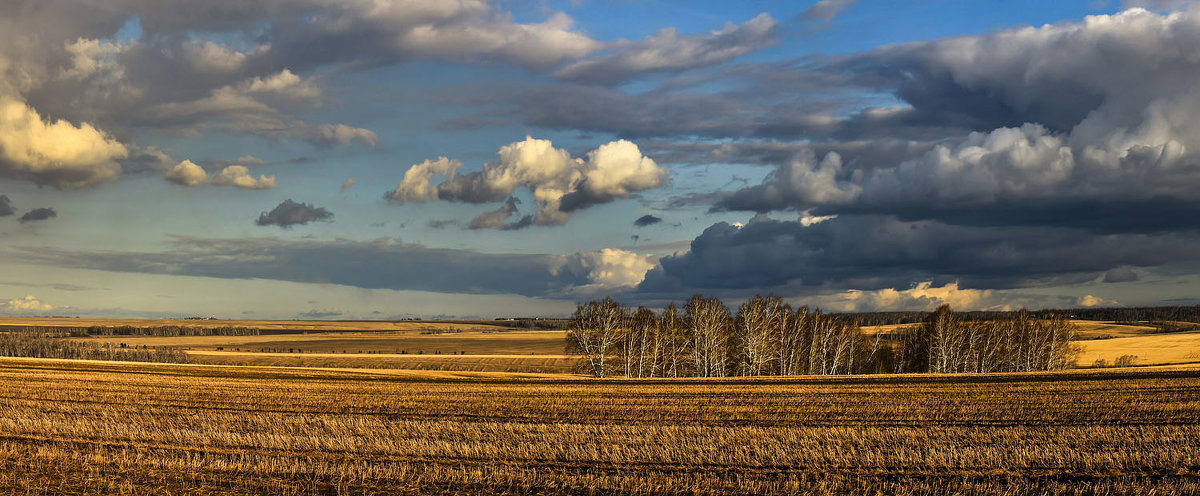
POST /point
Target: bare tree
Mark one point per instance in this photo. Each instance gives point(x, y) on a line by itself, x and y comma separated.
point(709, 322)
point(636, 343)
point(675, 338)
point(758, 335)
point(595, 328)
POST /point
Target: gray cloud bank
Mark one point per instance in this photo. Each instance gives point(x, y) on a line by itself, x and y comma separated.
point(874, 252)
point(379, 264)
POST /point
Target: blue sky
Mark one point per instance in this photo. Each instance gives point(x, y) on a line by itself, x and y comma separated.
point(383, 159)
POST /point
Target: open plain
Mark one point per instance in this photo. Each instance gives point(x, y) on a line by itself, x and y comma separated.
point(483, 407)
point(497, 346)
point(125, 428)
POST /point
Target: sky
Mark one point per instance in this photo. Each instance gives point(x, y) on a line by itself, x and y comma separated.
point(375, 159)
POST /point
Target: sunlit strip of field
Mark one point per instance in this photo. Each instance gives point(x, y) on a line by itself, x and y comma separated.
point(74, 426)
point(1153, 349)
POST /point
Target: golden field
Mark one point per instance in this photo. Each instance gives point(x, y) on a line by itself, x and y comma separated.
point(124, 428)
point(494, 347)
point(487, 350)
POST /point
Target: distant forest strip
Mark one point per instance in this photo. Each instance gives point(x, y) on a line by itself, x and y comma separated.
point(165, 331)
point(1112, 314)
point(766, 336)
point(32, 344)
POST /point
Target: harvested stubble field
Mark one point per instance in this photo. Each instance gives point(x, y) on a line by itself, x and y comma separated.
point(495, 362)
point(106, 427)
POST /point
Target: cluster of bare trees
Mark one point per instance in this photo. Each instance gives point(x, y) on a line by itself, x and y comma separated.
point(947, 343)
point(52, 345)
point(766, 336)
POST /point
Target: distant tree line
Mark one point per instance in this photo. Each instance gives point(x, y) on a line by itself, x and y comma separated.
point(165, 331)
point(946, 343)
point(1114, 314)
point(52, 345)
point(766, 336)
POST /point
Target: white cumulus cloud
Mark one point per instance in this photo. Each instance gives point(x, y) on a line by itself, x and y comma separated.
point(1095, 301)
point(29, 303)
point(239, 175)
point(607, 271)
point(58, 153)
point(559, 183)
point(187, 173)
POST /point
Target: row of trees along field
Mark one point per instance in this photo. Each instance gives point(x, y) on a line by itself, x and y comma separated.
point(766, 336)
point(52, 344)
point(164, 331)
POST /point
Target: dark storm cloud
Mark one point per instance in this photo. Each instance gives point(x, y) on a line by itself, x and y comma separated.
point(5, 206)
point(873, 252)
point(647, 220)
point(39, 214)
point(290, 213)
point(1087, 125)
point(381, 264)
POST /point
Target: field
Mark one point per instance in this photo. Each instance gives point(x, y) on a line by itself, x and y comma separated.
point(483, 346)
point(110, 427)
point(487, 350)
point(495, 347)
point(1109, 341)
